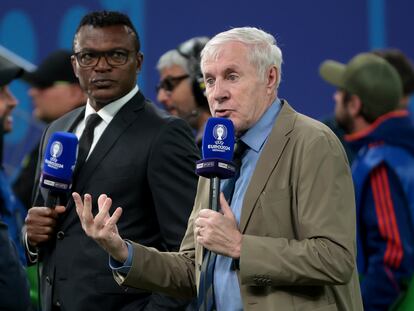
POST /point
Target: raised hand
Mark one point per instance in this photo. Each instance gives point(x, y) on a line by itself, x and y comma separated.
point(102, 228)
point(218, 232)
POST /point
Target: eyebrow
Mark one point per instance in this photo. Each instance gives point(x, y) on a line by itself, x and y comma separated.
point(227, 70)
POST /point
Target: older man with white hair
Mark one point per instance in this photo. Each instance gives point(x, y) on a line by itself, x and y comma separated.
point(286, 239)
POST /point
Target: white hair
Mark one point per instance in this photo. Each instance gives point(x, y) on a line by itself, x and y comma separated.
point(171, 58)
point(263, 50)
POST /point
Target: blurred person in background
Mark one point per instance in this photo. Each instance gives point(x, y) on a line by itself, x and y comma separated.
point(381, 135)
point(405, 69)
point(14, 293)
point(14, 289)
point(54, 91)
point(12, 213)
point(181, 89)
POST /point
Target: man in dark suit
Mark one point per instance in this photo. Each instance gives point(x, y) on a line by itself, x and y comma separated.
point(145, 160)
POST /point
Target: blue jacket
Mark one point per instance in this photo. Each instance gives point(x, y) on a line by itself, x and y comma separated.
point(383, 173)
point(13, 214)
point(14, 288)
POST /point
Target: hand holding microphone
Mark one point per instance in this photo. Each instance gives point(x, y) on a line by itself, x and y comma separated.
point(217, 231)
point(56, 183)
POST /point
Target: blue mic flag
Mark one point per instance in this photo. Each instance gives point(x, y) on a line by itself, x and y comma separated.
point(59, 162)
point(217, 149)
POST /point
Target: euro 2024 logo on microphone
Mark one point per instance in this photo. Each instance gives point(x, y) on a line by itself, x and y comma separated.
point(220, 134)
point(56, 149)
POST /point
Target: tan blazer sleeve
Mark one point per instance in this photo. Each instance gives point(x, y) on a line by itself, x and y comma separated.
point(170, 273)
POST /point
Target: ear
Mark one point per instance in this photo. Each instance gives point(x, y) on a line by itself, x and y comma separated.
point(271, 79)
point(140, 59)
point(74, 65)
point(355, 106)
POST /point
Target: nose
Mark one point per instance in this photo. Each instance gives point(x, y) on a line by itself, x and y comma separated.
point(220, 93)
point(11, 101)
point(162, 96)
point(102, 64)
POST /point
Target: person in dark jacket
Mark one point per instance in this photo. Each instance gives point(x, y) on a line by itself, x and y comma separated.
point(405, 69)
point(382, 138)
point(14, 288)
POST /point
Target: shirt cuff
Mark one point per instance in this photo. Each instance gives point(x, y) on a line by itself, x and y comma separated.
point(120, 267)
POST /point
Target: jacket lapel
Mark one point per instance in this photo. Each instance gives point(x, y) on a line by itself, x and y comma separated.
point(118, 125)
point(268, 160)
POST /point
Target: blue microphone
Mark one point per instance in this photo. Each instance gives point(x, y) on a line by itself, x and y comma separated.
point(58, 166)
point(217, 149)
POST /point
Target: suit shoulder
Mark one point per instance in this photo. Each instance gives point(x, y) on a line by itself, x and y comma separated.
point(311, 129)
point(161, 118)
point(65, 119)
point(308, 131)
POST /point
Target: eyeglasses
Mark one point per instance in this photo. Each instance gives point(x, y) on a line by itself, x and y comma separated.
point(117, 57)
point(170, 83)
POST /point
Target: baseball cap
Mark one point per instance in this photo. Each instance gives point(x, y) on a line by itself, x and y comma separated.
point(371, 78)
point(7, 74)
point(57, 67)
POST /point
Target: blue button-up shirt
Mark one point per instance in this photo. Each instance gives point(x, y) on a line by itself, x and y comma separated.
point(226, 284)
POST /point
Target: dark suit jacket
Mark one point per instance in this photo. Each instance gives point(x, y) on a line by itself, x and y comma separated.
point(145, 162)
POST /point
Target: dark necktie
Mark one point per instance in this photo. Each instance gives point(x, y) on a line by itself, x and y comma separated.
point(206, 301)
point(85, 141)
point(239, 149)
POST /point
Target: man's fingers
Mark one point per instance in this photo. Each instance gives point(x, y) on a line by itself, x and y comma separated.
point(78, 203)
point(104, 204)
point(225, 208)
point(59, 209)
point(101, 200)
point(205, 213)
point(87, 209)
point(113, 220)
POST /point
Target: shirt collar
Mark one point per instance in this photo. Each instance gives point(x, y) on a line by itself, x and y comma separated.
point(108, 112)
point(256, 136)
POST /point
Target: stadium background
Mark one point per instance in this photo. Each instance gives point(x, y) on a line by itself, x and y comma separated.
point(308, 32)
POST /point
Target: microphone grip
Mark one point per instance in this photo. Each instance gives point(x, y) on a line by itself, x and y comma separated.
point(214, 194)
point(52, 199)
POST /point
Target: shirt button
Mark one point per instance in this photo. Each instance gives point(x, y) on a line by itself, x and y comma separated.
point(48, 281)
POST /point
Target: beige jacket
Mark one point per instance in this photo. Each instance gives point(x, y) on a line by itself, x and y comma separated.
point(298, 225)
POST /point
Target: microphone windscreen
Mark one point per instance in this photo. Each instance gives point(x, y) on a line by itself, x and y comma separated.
point(59, 161)
point(217, 149)
point(218, 139)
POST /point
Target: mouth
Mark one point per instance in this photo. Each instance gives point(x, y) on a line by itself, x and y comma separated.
point(101, 83)
point(8, 121)
point(171, 109)
point(222, 113)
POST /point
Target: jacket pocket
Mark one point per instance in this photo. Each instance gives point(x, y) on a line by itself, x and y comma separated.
point(275, 206)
